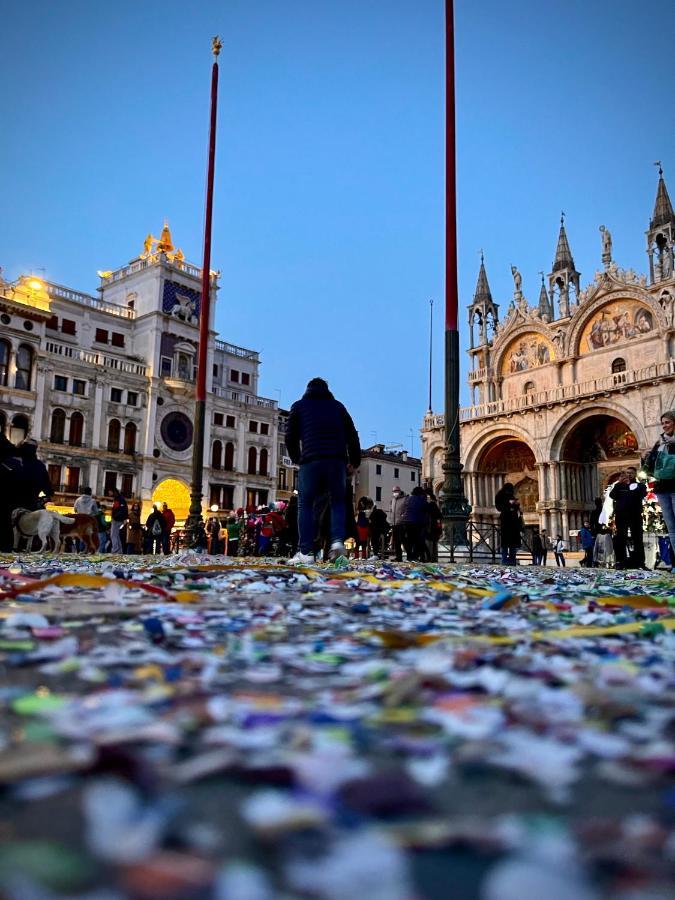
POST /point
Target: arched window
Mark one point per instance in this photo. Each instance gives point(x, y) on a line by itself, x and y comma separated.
point(19, 429)
point(216, 455)
point(4, 363)
point(114, 431)
point(618, 365)
point(528, 387)
point(229, 457)
point(130, 438)
point(252, 460)
point(58, 427)
point(263, 462)
point(24, 367)
point(76, 429)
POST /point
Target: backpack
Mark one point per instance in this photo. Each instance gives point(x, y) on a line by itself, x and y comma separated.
point(156, 528)
point(664, 465)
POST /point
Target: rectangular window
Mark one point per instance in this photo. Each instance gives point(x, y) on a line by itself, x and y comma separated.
point(218, 418)
point(68, 326)
point(378, 469)
point(253, 427)
point(166, 366)
point(229, 422)
point(295, 479)
point(132, 398)
point(215, 370)
point(116, 395)
point(117, 339)
point(127, 485)
point(109, 483)
point(281, 479)
point(72, 479)
point(79, 387)
point(55, 476)
point(378, 494)
point(234, 375)
point(101, 336)
point(60, 383)
point(245, 378)
point(214, 496)
point(264, 428)
point(396, 473)
point(53, 323)
point(412, 476)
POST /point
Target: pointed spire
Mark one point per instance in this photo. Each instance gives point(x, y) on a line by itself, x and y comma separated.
point(482, 293)
point(663, 208)
point(544, 305)
point(563, 254)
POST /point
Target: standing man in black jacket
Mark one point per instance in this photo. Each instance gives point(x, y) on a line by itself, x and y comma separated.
point(322, 440)
point(628, 495)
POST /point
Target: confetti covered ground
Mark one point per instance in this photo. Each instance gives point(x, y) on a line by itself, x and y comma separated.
point(195, 727)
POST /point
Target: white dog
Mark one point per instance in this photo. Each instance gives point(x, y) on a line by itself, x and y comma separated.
point(42, 523)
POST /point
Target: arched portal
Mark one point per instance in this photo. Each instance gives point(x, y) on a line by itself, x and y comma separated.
point(505, 458)
point(176, 494)
point(592, 454)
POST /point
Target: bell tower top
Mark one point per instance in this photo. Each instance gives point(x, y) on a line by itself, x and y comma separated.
point(661, 234)
point(564, 274)
point(483, 311)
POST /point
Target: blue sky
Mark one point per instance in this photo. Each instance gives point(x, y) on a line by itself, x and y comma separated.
point(329, 215)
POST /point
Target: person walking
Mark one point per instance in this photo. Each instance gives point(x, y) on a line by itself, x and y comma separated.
point(135, 530)
point(660, 463)
point(628, 495)
point(103, 529)
point(538, 551)
point(510, 523)
point(322, 440)
point(379, 528)
point(587, 539)
point(434, 526)
point(120, 513)
point(363, 512)
point(155, 526)
point(397, 518)
point(36, 488)
point(415, 522)
point(170, 520)
point(559, 551)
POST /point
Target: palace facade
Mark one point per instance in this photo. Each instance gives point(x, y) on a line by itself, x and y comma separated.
point(567, 392)
point(105, 383)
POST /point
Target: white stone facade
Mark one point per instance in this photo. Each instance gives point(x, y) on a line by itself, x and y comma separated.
point(106, 385)
point(381, 471)
point(568, 392)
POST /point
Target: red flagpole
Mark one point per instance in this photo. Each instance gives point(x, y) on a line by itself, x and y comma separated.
point(451, 292)
point(196, 492)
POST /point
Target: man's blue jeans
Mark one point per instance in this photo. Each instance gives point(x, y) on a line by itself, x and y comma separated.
point(667, 504)
point(316, 478)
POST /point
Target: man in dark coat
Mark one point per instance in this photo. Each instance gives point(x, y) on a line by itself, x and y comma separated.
point(35, 480)
point(628, 495)
point(322, 440)
point(11, 484)
point(510, 523)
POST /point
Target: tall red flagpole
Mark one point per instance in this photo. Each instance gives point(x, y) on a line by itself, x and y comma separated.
point(196, 488)
point(454, 505)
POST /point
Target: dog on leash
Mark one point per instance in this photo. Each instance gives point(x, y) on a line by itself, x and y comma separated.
point(42, 523)
point(81, 526)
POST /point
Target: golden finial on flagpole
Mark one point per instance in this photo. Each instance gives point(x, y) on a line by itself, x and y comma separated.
point(216, 46)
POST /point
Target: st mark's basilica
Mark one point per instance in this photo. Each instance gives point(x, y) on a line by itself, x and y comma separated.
point(568, 392)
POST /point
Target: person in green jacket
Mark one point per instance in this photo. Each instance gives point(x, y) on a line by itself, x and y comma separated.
point(233, 528)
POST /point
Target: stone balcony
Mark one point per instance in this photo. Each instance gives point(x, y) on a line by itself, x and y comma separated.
point(91, 358)
point(618, 382)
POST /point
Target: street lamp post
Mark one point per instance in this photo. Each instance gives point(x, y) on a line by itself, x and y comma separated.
point(454, 505)
point(196, 487)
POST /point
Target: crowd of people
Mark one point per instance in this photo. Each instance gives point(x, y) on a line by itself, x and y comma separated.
point(320, 521)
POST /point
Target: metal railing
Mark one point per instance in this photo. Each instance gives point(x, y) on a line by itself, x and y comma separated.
point(139, 264)
point(481, 544)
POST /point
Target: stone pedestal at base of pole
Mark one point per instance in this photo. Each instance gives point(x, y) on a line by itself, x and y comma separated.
point(455, 508)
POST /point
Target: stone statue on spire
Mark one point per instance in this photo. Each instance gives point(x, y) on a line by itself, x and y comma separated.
point(517, 282)
point(606, 246)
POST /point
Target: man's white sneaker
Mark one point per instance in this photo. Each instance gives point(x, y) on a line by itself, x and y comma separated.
point(302, 559)
point(337, 548)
